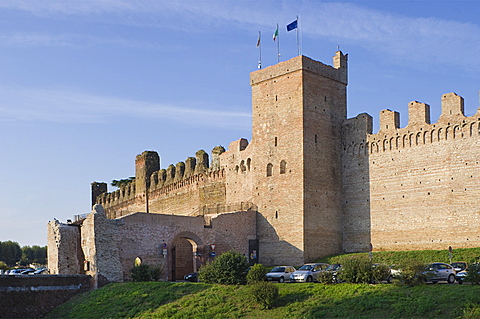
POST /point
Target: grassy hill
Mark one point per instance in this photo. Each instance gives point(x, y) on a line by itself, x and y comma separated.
point(312, 300)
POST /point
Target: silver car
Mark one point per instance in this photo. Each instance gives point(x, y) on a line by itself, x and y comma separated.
point(280, 273)
point(308, 272)
point(440, 272)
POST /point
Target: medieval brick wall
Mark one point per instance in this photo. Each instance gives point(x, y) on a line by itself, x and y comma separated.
point(420, 182)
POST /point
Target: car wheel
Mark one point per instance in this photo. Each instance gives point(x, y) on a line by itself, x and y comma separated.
point(309, 279)
point(281, 279)
point(389, 279)
point(451, 279)
point(460, 282)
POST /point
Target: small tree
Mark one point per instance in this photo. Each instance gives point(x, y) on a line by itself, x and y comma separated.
point(380, 272)
point(145, 272)
point(473, 274)
point(412, 273)
point(229, 269)
point(256, 274)
point(264, 293)
point(356, 269)
point(325, 277)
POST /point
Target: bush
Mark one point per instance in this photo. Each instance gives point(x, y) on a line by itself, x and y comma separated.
point(325, 277)
point(380, 272)
point(256, 274)
point(264, 293)
point(229, 269)
point(356, 269)
point(412, 273)
point(145, 272)
point(473, 274)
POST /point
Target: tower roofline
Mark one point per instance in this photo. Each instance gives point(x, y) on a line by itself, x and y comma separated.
point(338, 72)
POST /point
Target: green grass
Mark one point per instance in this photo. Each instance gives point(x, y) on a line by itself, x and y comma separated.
point(312, 300)
point(426, 256)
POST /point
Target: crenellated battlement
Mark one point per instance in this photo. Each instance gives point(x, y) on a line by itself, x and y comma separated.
point(452, 124)
point(131, 195)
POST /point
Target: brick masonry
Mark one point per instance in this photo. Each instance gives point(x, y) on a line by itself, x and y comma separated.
point(310, 183)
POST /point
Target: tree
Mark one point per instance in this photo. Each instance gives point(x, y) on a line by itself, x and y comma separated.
point(229, 269)
point(10, 252)
point(122, 182)
point(33, 255)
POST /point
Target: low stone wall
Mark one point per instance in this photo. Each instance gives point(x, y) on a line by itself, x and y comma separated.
point(26, 296)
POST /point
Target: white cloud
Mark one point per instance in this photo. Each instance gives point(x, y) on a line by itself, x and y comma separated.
point(73, 107)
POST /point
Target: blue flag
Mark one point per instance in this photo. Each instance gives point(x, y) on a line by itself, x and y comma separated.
point(292, 25)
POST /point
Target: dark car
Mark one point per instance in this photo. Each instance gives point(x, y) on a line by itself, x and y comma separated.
point(335, 270)
point(192, 277)
point(459, 266)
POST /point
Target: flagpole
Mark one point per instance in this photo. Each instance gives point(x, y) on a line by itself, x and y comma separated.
point(278, 46)
point(259, 44)
point(298, 43)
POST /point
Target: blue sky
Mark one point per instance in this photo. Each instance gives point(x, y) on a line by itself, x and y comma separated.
point(85, 86)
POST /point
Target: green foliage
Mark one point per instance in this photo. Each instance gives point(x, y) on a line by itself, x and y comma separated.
point(33, 255)
point(200, 300)
point(356, 269)
point(471, 311)
point(380, 272)
point(3, 266)
point(228, 269)
point(145, 272)
point(412, 273)
point(325, 277)
point(10, 252)
point(265, 293)
point(424, 256)
point(256, 274)
point(122, 182)
point(473, 274)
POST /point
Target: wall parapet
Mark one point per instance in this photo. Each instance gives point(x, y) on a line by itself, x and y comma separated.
point(452, 124)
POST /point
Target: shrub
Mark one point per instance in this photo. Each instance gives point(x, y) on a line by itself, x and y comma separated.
point(229, 269)
point(256, 274)
point(264, 293)
point(3, 266)
point(325, 277)
point(380, 272)
point(356, 269)
point(412, 273)
point(473, 274)
point(145, 272)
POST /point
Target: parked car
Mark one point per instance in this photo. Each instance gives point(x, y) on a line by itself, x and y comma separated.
point(459, 266)
point(16, 271)
point(27, 271)
point(461, 275)
point(40, 271)
point(308, 272)
point(192, 277)
point(280, 273)
point(440, 272)
point(335, 270)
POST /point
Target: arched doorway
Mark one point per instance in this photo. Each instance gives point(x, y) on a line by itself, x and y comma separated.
point(187, 255)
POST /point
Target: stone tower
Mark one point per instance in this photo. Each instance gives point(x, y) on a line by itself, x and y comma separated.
point(298, 107)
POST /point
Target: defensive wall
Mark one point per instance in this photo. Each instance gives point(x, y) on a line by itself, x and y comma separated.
point(27, 296)
point(414, 187)
point(106, 249)
point(312, 182)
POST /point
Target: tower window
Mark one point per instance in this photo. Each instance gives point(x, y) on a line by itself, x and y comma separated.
point(283, 167)
point(269, 169)
point(276, 141)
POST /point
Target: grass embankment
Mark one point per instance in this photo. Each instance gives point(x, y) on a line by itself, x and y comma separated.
point(313, 300)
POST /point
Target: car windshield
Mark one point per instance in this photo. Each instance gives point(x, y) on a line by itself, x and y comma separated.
point(278, 269)
point(333, 267)
point(306, 267)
